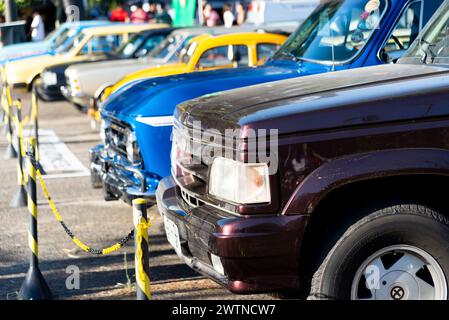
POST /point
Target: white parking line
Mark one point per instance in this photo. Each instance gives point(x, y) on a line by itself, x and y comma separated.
point(56, 158)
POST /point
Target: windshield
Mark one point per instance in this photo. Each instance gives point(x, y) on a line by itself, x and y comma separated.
point(128, 49)
point(186, 53)
point(72, 43)
point(335, 32)
point(433, 45)
point(170, 49)
point(68, 40)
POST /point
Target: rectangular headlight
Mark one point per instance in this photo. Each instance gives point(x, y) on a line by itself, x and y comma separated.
point(239, 182)
point(49, 78)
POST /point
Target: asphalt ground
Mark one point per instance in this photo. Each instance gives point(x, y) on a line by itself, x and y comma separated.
point(94, 221)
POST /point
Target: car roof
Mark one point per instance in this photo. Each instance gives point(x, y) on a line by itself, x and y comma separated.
point(280, 28)
point(158, 30)
point(86, 23)
point(233, 37)
point(121, 28)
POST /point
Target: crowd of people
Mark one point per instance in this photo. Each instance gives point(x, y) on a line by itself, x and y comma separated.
point(232, 14)
point(229, 16)
point(153, 13)
point(38, 23)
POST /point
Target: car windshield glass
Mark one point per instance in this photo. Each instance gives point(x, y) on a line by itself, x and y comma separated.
point(169, 50)
point(69, 41)
point(127, 49)
point(433, 45)
point(186, 53)
point(335, 32)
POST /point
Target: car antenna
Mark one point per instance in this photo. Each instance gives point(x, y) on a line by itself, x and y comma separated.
point(333, 52)
point(332, 43)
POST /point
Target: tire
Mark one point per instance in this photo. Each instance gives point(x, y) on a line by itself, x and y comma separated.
point(95, 180)
point(80, 108)
point(394, 240)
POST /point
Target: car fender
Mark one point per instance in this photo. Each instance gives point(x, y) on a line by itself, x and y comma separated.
point(100, 90)
point(361, 167)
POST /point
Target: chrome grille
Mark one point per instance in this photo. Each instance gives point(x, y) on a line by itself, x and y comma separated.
point(193, 174)
point(115, 135)
point(190, 199)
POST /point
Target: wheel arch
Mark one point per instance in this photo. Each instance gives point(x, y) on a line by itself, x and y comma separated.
point(32, 80)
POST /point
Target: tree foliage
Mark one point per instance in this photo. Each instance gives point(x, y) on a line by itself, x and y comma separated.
point(20, 4)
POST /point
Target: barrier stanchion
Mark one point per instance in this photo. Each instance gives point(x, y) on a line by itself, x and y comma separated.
point(20, 199)
point(4, 108)
point(35, 119)
point(34, 286)
point(11, 152)
point(141, 255)
point(3, 105)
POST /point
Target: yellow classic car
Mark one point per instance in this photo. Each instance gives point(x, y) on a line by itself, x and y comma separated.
point(208, 52)
point(93, 43)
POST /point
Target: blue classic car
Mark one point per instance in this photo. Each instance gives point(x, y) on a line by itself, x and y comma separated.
point(338, 35)
point(57, 39)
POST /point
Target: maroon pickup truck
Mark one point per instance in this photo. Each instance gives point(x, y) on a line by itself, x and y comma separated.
point(334, 186)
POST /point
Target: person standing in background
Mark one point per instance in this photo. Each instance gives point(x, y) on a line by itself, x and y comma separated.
point(211, 17)
point(119, 14)
point(228, 16)
point(37, 27)
point(241, 15)
point(184, 13)
point(139, 15)
point(161, 15)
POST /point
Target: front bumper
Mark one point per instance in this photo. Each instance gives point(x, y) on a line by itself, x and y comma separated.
point(121, 181)
point(258, 254)
point(20, 87)
point(79, 99)
point(49, 93)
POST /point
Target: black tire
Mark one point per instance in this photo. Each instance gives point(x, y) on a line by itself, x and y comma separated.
point(80, 108)
point(404, 224)
point(95, 180)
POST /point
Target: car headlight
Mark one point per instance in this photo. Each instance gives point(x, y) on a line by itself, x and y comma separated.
point(49, 78)
point(132, 150)
point(74, 84)
point(239, 182)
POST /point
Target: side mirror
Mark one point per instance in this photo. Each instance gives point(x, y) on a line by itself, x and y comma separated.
point(392, 56)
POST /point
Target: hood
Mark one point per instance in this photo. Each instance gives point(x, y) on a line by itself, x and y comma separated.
point(152, 72)
point(159, 96)
point(327, 101)
point(35, 61)
point(23, 49)
point(107, 65)
point(60, 68)
point(97, 68)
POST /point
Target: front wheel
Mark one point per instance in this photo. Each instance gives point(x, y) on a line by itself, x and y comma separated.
point(397, 253)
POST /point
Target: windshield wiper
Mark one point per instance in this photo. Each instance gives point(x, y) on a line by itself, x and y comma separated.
point(427, 52)
point(290, 55)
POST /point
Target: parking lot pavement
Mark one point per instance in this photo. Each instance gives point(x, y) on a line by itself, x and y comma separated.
point(94, 221)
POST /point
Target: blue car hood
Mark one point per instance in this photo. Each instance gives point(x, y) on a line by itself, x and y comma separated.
point(24, 48)
point(159, 96)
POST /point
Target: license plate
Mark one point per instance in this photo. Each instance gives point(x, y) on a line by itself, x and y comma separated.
point(171, 230)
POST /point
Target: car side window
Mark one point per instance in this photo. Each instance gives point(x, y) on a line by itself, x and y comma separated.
point(102, 44)
point(265, 51)
point(224, 56)
point(404, 33)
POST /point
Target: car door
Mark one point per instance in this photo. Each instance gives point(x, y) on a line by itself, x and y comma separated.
point(407, 28)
